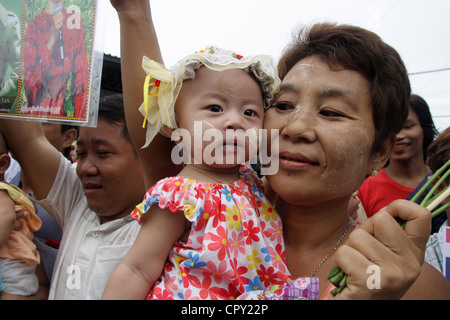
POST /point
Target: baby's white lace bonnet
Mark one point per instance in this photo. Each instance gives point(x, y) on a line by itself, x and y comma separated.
point(162, 86)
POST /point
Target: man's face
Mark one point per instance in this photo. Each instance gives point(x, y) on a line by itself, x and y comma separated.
point(109, 170)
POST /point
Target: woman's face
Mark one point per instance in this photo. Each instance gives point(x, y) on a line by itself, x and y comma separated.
point(409, 142)
point(324, 118)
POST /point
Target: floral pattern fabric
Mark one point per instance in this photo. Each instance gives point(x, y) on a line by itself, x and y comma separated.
point(298, 289)
point(235, 243)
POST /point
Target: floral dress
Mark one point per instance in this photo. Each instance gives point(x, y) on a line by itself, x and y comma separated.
point(235, 245)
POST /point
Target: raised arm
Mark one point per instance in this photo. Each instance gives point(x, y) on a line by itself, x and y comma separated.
point(38, 159)
point(138, 39)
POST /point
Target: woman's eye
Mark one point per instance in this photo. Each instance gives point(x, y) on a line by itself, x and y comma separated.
point(330, 113)
point(215, 108)
point(282, 106)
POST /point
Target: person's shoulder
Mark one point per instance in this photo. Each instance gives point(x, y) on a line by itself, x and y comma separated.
point(66, 183)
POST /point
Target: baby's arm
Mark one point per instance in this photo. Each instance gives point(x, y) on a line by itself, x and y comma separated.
point(7, 216)
point(142, 266)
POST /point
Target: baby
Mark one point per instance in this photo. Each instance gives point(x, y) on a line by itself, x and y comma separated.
point(18, 254)
point(211, 233)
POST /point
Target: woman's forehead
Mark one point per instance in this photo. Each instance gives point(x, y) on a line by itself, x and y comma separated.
point(314, 72)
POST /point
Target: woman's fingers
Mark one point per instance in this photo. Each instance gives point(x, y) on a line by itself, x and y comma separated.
point(380, 258)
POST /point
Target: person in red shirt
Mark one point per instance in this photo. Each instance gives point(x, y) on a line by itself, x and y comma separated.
point(55, 65)
point(407, 169)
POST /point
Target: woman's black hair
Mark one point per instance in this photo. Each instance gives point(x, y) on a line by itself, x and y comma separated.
point(422, 110)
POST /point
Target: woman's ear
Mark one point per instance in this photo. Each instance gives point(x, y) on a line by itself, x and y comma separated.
point(382, 156)
point(5, 161)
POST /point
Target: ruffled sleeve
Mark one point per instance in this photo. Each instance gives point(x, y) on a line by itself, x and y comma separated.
point(177, 194)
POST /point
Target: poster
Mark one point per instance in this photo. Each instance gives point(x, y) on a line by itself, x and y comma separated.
point(50, 60)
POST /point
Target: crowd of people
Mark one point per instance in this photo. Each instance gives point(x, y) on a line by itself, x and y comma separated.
point(132, 224)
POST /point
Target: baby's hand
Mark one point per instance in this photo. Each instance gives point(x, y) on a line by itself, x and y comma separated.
point(21, 212)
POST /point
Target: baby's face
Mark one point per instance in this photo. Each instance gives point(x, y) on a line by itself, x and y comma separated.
point(228, 102)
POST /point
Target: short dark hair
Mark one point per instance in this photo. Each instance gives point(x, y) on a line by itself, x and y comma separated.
point(111, 108)
point(422, 110)
point(357, 49)
point(65, 127)
point(439, 152)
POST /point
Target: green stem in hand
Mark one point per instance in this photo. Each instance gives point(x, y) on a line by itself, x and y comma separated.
point(437, 174)
point(339, 279)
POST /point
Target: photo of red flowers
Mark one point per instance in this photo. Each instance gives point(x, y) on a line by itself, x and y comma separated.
point(50, 71)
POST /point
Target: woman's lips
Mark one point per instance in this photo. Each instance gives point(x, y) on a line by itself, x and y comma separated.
point(295, 161)
point(400, 146)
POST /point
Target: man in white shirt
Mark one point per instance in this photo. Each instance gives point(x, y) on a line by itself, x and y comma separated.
point(91, 203)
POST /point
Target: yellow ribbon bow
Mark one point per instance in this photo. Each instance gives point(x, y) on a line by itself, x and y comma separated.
point(158, 107)
point(150, 89)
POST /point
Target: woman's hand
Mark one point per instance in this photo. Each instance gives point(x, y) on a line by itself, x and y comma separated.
point(381, 259)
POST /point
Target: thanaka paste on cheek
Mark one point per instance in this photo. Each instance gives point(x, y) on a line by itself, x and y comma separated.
point(349, 157)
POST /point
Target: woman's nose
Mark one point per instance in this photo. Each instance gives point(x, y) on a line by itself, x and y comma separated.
point(299, 126)
point(401, 135)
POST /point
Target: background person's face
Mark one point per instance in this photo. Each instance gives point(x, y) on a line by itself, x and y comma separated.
point(409, 142)
point(109, 170)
